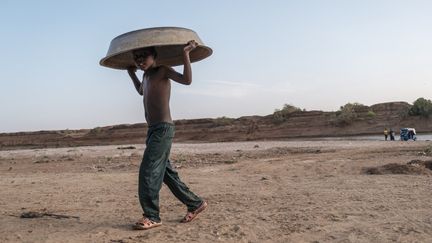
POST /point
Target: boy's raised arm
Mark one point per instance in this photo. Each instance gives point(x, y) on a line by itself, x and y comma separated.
point(135, 80)
point(186, 77)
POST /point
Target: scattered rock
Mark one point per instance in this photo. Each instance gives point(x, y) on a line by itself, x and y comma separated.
point(428, 151)
point(41, 161)
point(414, 167)
point(67, 158)
point(230, 161)
point(236, 228)
point(44, 159)
point(121, 166)
point(34, 214)
point(99, 234)
point(98, 167)
point(118, 241)
point(127, 147)
point(420, 163)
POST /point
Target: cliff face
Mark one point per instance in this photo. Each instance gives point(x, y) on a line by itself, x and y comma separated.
point(368, 120)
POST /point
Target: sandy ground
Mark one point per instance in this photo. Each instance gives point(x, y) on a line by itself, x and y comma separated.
point(296, 191)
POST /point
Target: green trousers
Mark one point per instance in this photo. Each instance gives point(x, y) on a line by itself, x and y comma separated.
point(156, 168)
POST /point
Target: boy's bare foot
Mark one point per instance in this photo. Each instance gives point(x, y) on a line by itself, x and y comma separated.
point(145, 224)
point(192, 215)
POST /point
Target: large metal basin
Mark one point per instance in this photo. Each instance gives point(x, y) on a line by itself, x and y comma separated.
point(168, 41)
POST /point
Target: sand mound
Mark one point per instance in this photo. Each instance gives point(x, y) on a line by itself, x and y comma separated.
point(414, 167)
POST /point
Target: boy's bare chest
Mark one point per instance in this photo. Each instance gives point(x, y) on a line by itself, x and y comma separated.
point(156, 86)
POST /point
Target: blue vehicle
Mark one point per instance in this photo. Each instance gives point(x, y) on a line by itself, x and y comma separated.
point(407, 134)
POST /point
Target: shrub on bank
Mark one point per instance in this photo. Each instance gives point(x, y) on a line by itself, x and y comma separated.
point(371, 114)
point(421, 107)
point(347, 113)
point(281, 115)
point(223, 121)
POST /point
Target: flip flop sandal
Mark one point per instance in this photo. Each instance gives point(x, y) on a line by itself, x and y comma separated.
point(145, 224)
point(192, 215)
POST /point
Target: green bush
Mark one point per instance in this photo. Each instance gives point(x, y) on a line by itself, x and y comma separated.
point(281, 115)
point(347, 113)
point(96, 130)
point(421, 107)
point(223, 121)
point(371, 114)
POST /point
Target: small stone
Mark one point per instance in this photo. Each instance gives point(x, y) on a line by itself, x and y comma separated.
point(236, 228)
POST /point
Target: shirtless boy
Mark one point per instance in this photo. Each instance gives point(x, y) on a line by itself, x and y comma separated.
point(155, 167)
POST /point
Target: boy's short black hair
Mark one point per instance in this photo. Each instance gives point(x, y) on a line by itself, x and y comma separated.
point(145, 51)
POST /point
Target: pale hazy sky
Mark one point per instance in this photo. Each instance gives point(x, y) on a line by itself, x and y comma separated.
point(316, 55)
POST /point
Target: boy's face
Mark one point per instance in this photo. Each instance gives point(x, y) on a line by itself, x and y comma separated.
point(144, 60)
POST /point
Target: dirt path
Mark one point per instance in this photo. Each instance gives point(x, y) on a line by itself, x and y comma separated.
point(305, 191)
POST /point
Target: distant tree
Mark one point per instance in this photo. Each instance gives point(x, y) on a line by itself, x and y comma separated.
point(96, 130)
point(350, 112)
point(281, 115)
point(347, 113)
point(421, 107)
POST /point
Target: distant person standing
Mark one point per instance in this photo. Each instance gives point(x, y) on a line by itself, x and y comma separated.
point(386, 133)
point(392, 135)
point(411, 135)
